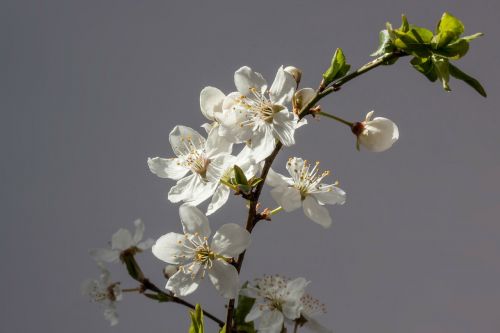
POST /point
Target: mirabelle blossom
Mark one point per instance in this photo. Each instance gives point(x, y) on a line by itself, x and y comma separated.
point(258, 116)
point(204, 159)
point(376, 135)
point(276, 299)
point(305, 189)
point(123, 240)
point(105, 292)
point(311, 308)
point(195, 256)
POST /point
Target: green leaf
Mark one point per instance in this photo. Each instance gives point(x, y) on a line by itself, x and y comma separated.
point(223, 329)
point(474, 36)
point(422, 35)
point(425, 66)
point(442, 70)
point(454, 50)
point(239, 176)
point(405, 27)
point(385, 44)
point(337, 69)
point(244, 306)
point(458, 74)
point(450, 23)
point(244, 188)
point(196, 320)
point(442, 39)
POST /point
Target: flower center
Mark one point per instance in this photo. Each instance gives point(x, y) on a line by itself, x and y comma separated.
point(308, 180)
point(257, 108)
point(200, 249)
point(196, 158)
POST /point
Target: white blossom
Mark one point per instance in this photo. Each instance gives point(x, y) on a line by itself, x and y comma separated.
point(204, 159)
point(123, 240)
point(105, 292)
point(211, 100)
point(195, 256)
point(276, 299)
point(376, 134)
point(311, 308)
point(305, 189)
point(258, 115)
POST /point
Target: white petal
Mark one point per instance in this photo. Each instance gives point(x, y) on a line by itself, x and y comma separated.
point(183, 284)
point(194, 221)
point(217, 145)
point(183, 189)
point(170, 248)
point(270, 322)
point(379, 134)
point(263, 143)
point(208, 127)
point(231, 118)
point(219, 198)
point(283, 87)
point(111, 315)
point(230, 240)
point(284, 126)
point(219, 166)
point(139, 231)
point(296, 288)
point(330, 194)
point(167, 167)
point(201, 192)
point(254, 313)
point(121, 240)
point(147, 244)
point(224, 278)
point(106, 255)
point(183, 139)
point(287, 197)
point(245, 79)
point(302, 97)
point(275, 179)
point(316, 212)
point(211, 102)
point(295, 166)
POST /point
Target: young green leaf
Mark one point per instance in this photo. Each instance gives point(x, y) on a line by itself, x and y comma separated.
point(239, 176)
point(474, 36)
point(337, 69)
point(385, 44)
point(197, 325)
point(442, 70)
point(244, 306)
point(425, 66)
point(405, 27)
point(450, 23)
point(458, 74)
point(223, 329)
point(454, 50)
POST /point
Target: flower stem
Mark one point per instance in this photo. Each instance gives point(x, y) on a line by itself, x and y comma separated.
point(276, 210)
point(131, 290)
point(343, 121)
point(296, 327)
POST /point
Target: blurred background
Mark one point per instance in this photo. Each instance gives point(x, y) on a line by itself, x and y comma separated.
point(90, 89)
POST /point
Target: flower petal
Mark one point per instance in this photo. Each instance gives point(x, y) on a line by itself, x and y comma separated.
point(167, 167)
point(219, 198)
point(170, 248)
point(184, 139)
point(121, 240)
point(194, 221)
point(106, 255)
point(139, 231)
point(211, 101)
point(263, 143)
point(379, 134)
point(217, 145)
point(183, 283)
point(254, 313)
point(316, 212)
point(202, 190)
point(147, 244)
point(283, 87)
point(287, 197)
point(284, 126)
point(270, 322)
point(275, 179)
point(224, 278)
point(294, 167)
point(230, 240)
point(183, 189)
point(330, 194)
point(245, 79)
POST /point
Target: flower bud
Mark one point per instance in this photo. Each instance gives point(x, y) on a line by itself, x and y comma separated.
point(375, 135)
point(302, 97)
point(295, 72)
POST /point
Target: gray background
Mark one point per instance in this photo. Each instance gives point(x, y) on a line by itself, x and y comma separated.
point(90, 89)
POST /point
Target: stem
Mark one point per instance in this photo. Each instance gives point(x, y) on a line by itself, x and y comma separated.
point(343, 121)
point(296, 327)
point(276, 210)
point(131, 290)
point(252, 211)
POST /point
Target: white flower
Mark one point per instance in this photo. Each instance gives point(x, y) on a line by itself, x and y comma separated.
point(375, 135)
point(276, 299)
point(123, 240)
point(311, 308)
point(257, 115)
point(305, 189)
point(195, 256)
point(246, 162)
point(211, 100)
point(204, 158)
point(104, 292)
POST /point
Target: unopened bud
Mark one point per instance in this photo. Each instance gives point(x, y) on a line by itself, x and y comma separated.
point(295, 72)
point(301, 98)
point(170, 270)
